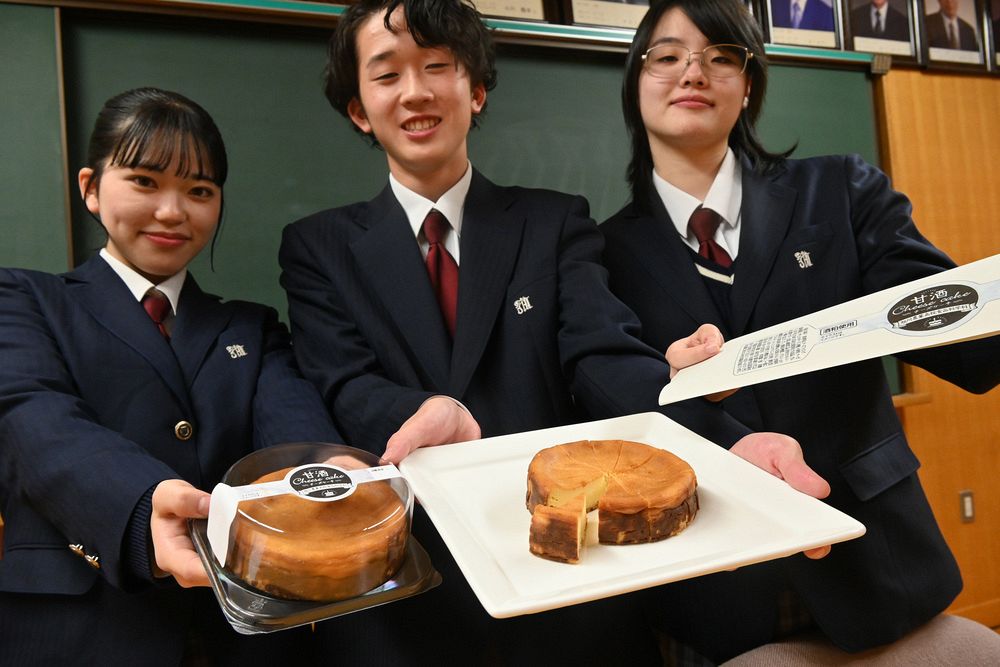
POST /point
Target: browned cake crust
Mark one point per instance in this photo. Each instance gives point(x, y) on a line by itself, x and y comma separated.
point(643, 493)
point(323, 551)
point(557, 532)
point(646, 526)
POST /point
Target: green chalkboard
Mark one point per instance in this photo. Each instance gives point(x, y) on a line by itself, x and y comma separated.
point(553, 121)
point(289, 153)
point(824, 110)
point(33, 216)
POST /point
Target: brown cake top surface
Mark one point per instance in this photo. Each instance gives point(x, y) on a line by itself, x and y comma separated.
point(355, 523)
point(634, 476)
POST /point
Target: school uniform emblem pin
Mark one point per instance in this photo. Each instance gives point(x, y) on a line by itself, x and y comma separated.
point(522, 305)
point(803, 258)
point(236, 351)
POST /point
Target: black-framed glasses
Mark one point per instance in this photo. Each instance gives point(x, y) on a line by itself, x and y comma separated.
point(718, 61)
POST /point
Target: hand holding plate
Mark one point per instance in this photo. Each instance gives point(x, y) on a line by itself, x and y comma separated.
point(781, 456)
point(439, 421)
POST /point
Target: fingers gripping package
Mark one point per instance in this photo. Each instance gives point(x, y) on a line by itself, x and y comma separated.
point(306, 531)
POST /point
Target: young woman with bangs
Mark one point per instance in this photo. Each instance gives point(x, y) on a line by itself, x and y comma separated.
point(724, 232)
point(125, 393)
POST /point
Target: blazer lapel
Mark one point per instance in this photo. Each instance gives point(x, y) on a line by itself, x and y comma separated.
point(667, 259)
point(490, 240)
point(389, 259)
point(99, 289)
point(766, 214)
point(199, 321)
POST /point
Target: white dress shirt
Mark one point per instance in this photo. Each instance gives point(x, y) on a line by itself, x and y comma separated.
point(451, 205)
point(138, 284)
point(724, 197)
point(878, 18)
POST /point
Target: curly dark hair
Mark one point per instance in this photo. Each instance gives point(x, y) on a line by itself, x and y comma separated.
point(452, 24)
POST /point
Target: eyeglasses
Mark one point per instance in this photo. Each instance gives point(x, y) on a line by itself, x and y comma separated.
point(718, 61)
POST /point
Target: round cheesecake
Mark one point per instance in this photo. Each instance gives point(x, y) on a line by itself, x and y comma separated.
point(294, 548)
point(642, 494)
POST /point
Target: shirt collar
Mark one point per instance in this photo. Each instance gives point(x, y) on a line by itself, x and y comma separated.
point(138, 285)
point(451, 204)
point(724, 197)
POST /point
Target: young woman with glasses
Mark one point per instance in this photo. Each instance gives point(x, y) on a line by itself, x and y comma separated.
point(722, 231)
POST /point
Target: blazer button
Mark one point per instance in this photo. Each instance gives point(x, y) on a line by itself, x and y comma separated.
point(183, 430)
point(92, 561)
point(77, 549)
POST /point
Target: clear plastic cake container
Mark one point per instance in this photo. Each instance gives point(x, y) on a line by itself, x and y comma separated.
point(302, 532)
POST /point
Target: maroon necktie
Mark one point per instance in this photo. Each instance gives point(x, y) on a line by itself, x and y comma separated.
point(441, 267)
point(704, 222)
point(952, 35)
point(157, 307)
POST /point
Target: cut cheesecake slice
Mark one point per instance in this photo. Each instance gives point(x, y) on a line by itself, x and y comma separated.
point(642, 494)
point(558, 533)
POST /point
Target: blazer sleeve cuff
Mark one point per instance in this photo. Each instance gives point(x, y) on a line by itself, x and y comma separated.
point(137, 549)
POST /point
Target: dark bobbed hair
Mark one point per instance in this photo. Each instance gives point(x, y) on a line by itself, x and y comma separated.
point(722, 22)
point(452, 24)
point(149, 128)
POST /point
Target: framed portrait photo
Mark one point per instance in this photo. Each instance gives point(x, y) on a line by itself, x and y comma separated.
point(881, 26)
point(952, 33)
point(994, 23)
point(803, 22)
point(520, 10)
point(614, 14)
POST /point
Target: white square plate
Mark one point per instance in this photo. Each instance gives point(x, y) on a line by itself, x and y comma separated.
point(474, 492)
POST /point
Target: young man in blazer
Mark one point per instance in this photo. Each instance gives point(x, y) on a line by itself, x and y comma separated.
point(947, 30)
point(536, 339)
point(812, 14)
point(879, 19)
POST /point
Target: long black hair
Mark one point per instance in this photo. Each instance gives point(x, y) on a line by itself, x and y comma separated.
point(722, 22)
point(151, 128)
point(452, 24)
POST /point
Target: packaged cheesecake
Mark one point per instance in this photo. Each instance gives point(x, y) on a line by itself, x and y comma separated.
point(306, 531)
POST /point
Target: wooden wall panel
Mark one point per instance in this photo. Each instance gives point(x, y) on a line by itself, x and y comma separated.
point(940, 137)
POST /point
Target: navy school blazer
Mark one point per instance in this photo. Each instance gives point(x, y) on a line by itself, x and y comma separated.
point(814, 233)
point(937, 33)
point(540, 340)
point(817, 15)
point(897, 24)
point(92, 405)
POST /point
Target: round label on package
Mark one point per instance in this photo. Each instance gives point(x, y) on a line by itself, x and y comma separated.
point(933, 309)
point(320, 482)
